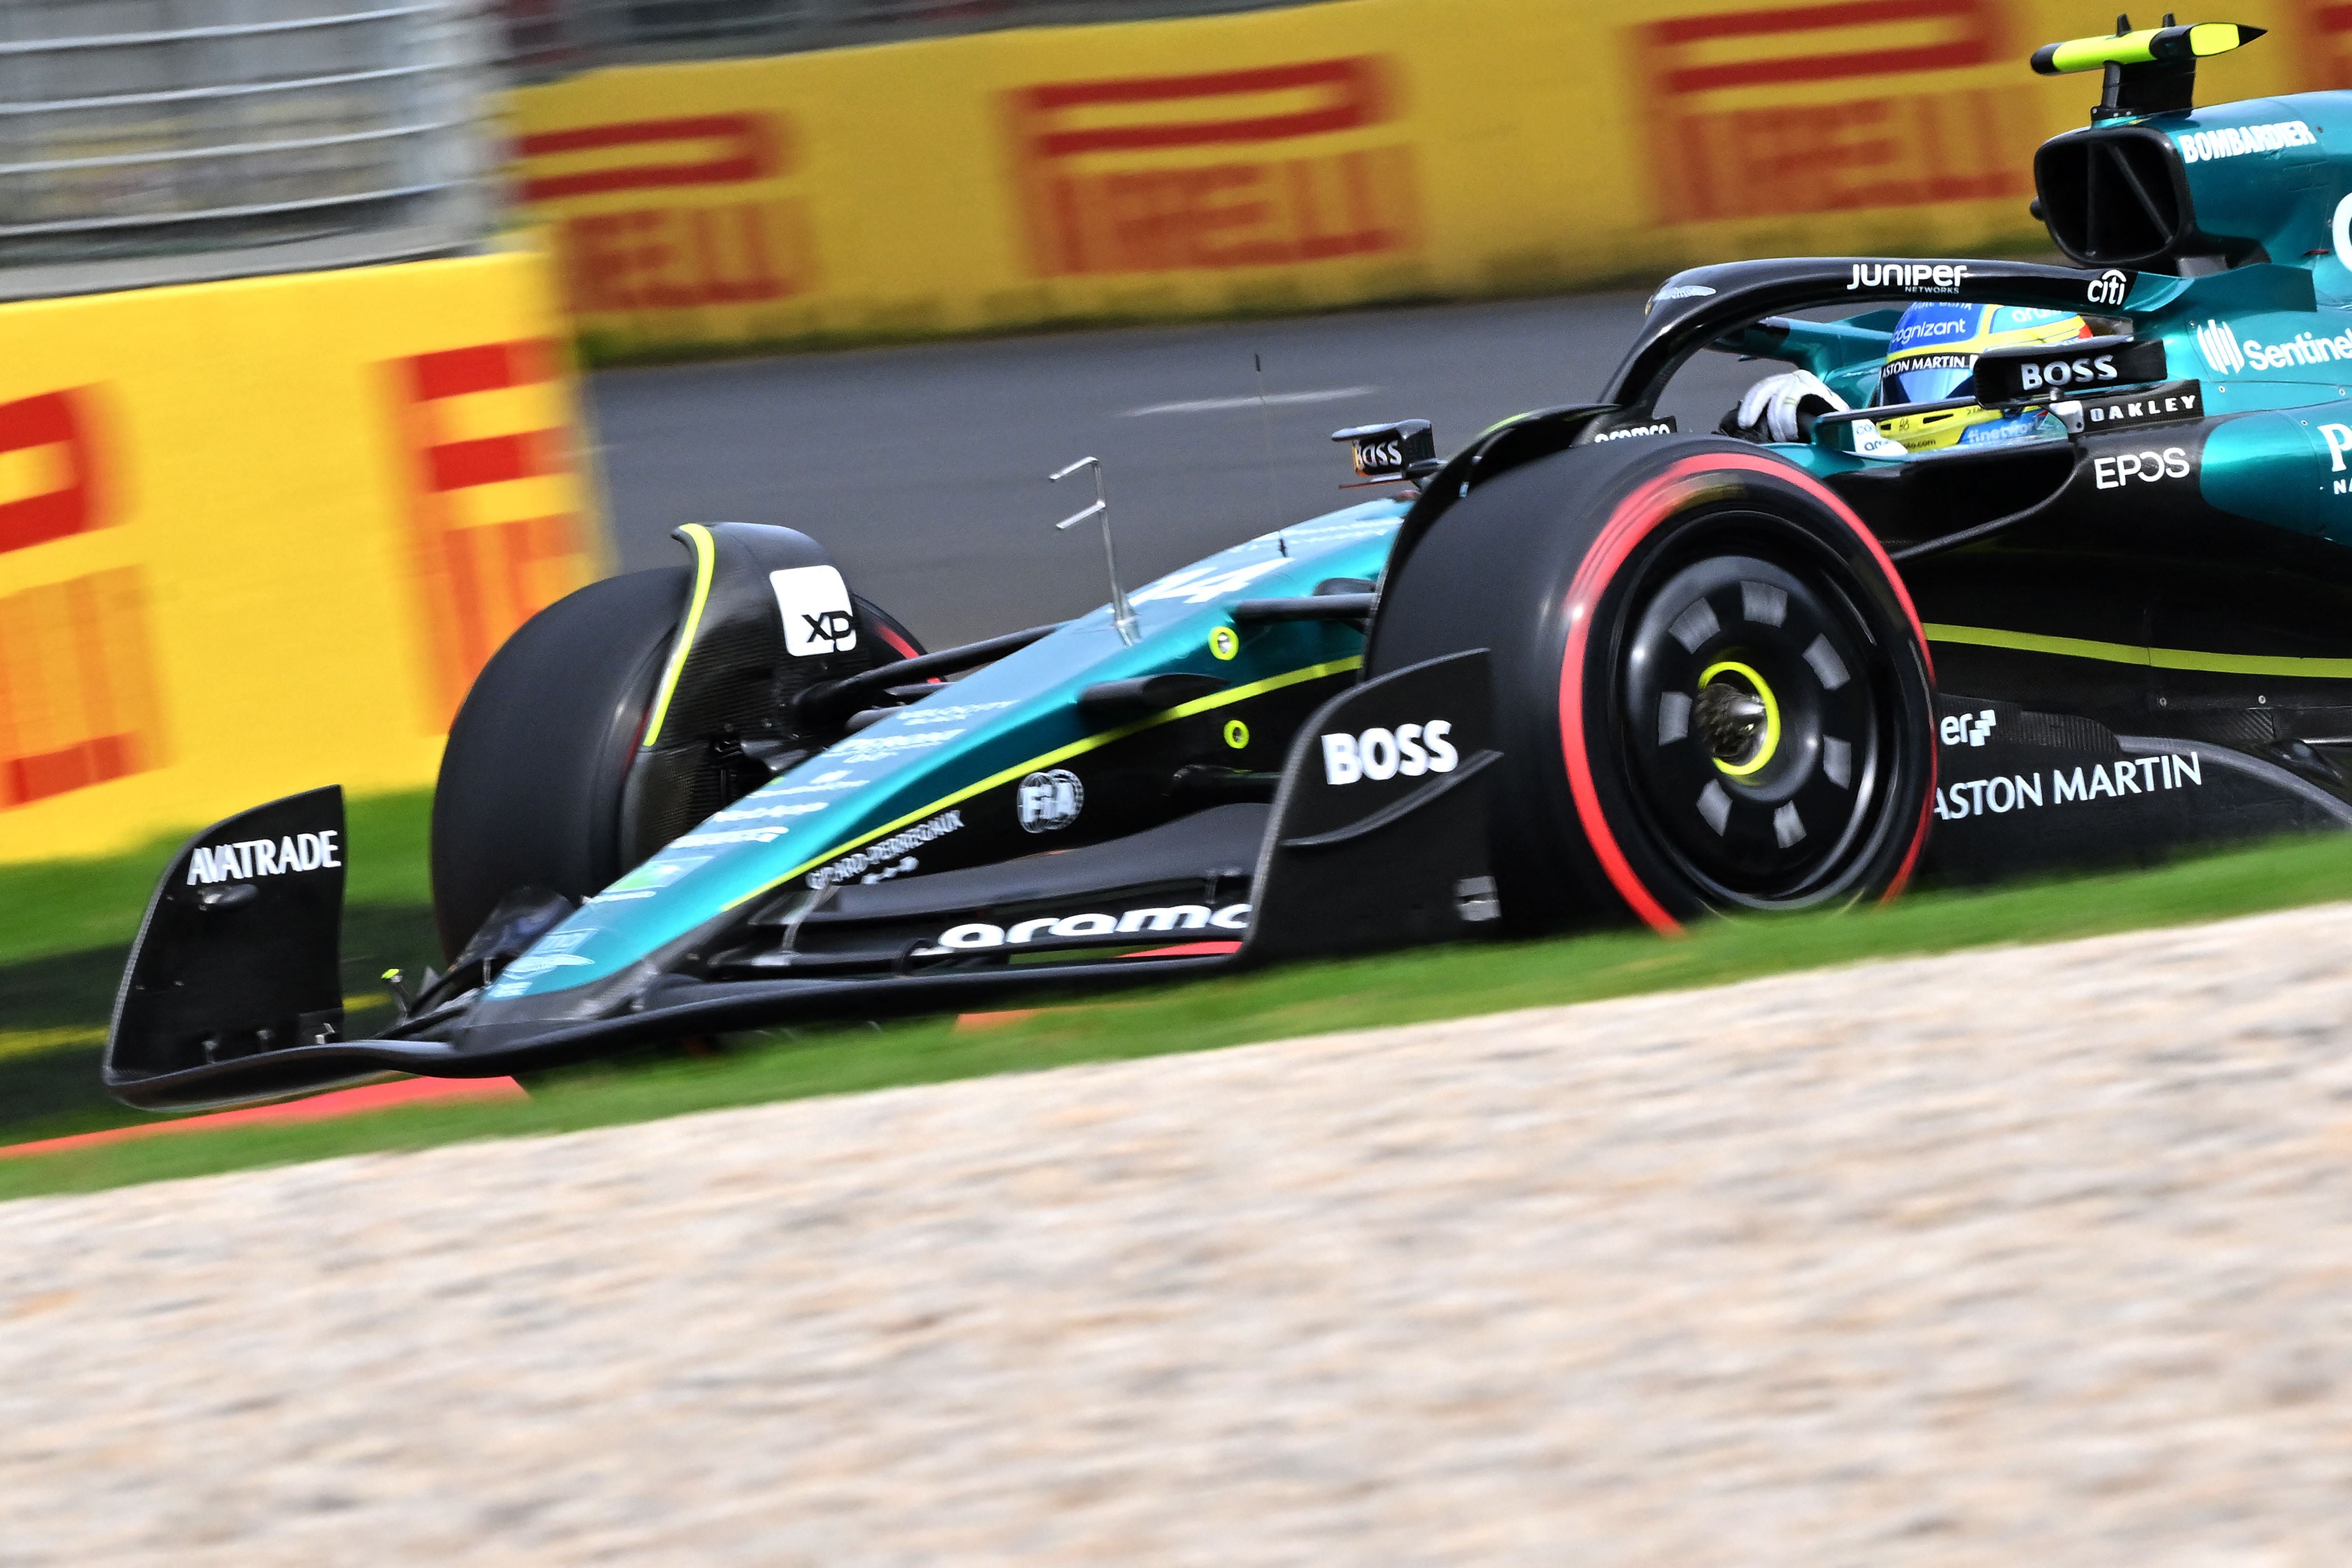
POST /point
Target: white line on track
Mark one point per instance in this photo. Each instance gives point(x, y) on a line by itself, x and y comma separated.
point(1277, 400)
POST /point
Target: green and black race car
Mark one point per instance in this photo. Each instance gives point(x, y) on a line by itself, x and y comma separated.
point(1588, 668)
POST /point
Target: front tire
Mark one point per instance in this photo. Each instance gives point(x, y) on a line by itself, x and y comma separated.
point(1712, 691)
point(532, 791)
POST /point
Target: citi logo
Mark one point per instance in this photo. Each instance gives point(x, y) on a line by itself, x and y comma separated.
point(1412, 749)
point(2219, 345)
point(2109, 287)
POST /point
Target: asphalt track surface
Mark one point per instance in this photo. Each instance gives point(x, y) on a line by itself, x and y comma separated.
point(923, 469)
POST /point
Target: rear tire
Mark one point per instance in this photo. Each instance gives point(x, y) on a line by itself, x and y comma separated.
point(1711, 689)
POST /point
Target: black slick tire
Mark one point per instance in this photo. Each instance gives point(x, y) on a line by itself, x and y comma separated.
point(1712, 691)
point(529, 788)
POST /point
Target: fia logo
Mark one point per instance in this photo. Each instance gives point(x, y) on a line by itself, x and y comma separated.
point(2109, 287)
point(1049, 801)
point(815, 603)
point(2219, 346)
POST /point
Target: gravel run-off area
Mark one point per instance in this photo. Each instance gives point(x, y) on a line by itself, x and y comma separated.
point(2033, 1256)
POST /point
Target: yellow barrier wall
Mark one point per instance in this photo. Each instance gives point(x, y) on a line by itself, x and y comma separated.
point(258, 535)
point(1329, 153)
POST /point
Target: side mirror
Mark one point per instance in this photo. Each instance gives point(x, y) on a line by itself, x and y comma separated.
point(1383, 453)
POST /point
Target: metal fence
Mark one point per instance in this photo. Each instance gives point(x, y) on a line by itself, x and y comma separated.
point(552, 37)
point(165, 140)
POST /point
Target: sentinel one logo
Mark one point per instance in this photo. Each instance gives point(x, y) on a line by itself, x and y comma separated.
point(2109, 287)
point(2228, 353)
point(2220, 347)
point(1911, 276)
point(2237, 141)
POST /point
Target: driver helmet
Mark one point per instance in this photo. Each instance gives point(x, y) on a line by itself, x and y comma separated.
point(1932, 356)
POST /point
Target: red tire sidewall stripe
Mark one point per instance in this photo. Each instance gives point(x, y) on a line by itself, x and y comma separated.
point(1635, 517)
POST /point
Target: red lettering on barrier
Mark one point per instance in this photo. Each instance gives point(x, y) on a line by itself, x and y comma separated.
point(55, 422)
point(1970, 43)
point(1317, 190)
point(728, 246)
point(77, 686)
point(746, 147)
point(669, 258)
point(486, 562)
point(2328, 23)
point(1925, 143)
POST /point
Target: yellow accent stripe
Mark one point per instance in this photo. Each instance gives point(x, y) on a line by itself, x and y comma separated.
point(1076, 749)
point(2154, 658)
point(706, 556)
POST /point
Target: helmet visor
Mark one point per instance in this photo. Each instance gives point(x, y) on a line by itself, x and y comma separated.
point(1927, 378)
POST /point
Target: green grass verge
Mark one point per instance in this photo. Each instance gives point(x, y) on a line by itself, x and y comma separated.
point(1302, 1000)
point(65, 929)
point(74, 906)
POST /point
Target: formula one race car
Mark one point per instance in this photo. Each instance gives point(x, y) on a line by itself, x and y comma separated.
point(1588, 668)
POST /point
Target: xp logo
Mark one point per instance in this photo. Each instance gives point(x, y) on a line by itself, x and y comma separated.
point(2109, 287)
point(815, 603)
point(2219, 346)
point(836, 628)
point(1049, 801)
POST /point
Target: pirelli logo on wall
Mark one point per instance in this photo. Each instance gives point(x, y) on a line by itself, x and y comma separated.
point(77, 670)
point(496, 527)
point(674, 214)
point(1833, 108)
point(1271, 166)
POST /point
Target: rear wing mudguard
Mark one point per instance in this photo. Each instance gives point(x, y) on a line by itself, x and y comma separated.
point(233, 990)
